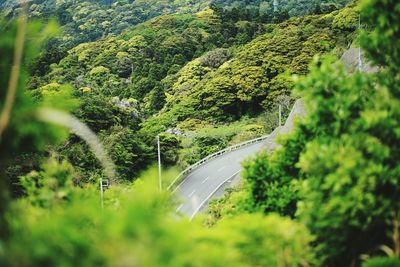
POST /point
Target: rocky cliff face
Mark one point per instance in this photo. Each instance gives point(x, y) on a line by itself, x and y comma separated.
point(350, 59)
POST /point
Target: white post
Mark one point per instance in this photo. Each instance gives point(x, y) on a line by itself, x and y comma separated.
point(280, 115)
point(159, 161)
point(101, 193)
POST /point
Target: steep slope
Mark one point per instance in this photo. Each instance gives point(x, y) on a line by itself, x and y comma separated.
point(290, 8)
point(85, 20)
point(120, 82)
point(133, 64)
point(219, 86)
point(187, 69)
point(89, 20)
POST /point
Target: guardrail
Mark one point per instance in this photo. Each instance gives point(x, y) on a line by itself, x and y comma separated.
point(213, 156)
point(234, 147)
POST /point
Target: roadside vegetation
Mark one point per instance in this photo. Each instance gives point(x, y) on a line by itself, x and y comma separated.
point(336, 172)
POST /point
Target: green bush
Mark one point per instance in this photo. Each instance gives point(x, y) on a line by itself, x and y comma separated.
point(50, 186)
point(267, 241)
point(169, 147)
point(272, 180)
point(345, 154)
point(382, 262)
point(347, 19)
point(21, 131)
point(136, 227)
point(226, 206)
point(127, 149)
point(351, 165)
point(209, 144)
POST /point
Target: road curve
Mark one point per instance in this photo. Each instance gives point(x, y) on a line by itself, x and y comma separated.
point(202, 183)
point(212, 177)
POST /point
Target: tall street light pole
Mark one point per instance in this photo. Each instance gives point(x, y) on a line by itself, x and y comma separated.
point(280, 115)
point(275, 4)
point(159, 162)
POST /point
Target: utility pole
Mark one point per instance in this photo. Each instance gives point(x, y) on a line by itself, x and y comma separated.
point(275, 4)
point(280, 115)
point(159, 162)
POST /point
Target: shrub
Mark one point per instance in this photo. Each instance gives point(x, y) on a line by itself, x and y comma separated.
point(345, 153)
point(346, 19)
point(272, 180)
point(137, 218)
point(382, 262)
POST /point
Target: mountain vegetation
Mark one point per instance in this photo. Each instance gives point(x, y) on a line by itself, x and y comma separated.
point(84, 21)
point(200, 76)
point(88, 20)
point(178, 70)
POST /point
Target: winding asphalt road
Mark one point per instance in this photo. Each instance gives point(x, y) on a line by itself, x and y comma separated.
point(213, 177)
point(217, 174)
point(203, 182)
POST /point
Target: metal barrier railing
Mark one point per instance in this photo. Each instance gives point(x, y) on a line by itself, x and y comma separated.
point(213, 156)
point(234, 147)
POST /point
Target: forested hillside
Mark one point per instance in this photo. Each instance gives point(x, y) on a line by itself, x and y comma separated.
point(177, 70)
point(253, 76)
point(141, 62)
point(90, 86)
point(272, 10)
point(84, 20)
point(88, 20)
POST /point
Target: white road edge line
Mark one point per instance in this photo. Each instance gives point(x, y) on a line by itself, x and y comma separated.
point(181, 183)
point(205, 180)
point(179, 208)
point(212, 193)
point(191, 194)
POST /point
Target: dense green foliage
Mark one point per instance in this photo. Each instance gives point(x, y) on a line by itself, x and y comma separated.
point(274, 10)
point(272, 179)
point(121, 80)
point(136, 63)
point(60, 223)
point(190, 68)
point(24, 133)
point(335, 178)
point(252, 78)
point(382, 262)
point(341, 162)
point(84, 21)
point(136, 228)
point(88, 20)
